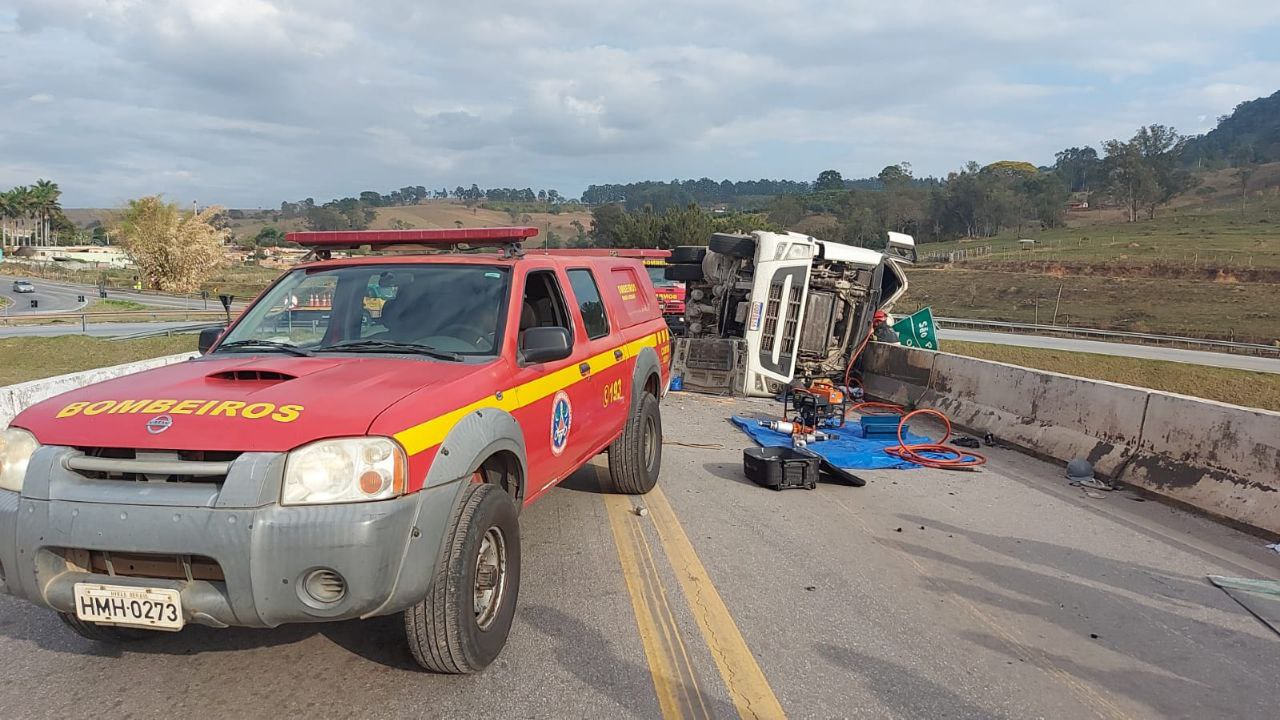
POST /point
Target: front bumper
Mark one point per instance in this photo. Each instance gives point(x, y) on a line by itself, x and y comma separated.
point(385, 551)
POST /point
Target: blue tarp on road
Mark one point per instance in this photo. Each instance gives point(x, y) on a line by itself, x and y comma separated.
point(850, 450)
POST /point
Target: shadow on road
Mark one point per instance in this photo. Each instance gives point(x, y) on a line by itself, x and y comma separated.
point(906, 692)
point(379, 640)
point(1156, 622)
point(585, 652)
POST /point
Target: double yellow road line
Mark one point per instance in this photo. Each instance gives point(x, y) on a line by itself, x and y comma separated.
point(680, 691)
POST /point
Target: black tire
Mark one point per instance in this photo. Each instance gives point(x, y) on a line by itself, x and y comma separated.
point(445, 633)
point(741, 246)
point(635, 458)
point(683, 272)
point(688, 253)
point(108, 634)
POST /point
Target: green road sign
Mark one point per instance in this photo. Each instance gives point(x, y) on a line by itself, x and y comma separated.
point(918, 330)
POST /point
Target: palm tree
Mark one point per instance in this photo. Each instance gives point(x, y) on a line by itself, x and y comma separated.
point(8, 211)
point(21, 205)
point(45, 201)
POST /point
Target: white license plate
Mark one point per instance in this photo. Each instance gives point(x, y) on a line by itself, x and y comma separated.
point(154, 608)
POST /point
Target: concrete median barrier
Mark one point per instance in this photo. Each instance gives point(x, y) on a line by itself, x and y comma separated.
point(1222, 459)
point(15, 398)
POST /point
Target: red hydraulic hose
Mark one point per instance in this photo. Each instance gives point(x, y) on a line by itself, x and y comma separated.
point(945, 457)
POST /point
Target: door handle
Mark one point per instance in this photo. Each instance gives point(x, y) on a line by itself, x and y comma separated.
point(585, 369)
point(617, 354)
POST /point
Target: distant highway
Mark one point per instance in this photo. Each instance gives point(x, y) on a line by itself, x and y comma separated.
point(95, 330)
point(1149, 352)
point(60, 296)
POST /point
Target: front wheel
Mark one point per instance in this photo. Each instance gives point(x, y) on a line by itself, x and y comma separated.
point(463, 622)
point(635, 458)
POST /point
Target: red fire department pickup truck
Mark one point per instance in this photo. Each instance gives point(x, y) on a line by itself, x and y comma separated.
point(357, 443)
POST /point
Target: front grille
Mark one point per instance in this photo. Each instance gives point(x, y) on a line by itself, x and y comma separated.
point(126, 464)
point(143, 565)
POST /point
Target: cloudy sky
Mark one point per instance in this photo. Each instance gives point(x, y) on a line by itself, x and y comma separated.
point(248, 102)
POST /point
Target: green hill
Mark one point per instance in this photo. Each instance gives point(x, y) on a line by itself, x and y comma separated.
point(1250, 134)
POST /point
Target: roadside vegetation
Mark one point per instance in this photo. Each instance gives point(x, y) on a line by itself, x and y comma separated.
point(23, 359)
point(1238, 387)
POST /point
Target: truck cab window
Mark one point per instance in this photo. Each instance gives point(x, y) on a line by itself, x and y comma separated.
point(589, 303)
point(543, 303)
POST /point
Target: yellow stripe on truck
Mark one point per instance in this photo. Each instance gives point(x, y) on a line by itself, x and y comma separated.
point(431, 433)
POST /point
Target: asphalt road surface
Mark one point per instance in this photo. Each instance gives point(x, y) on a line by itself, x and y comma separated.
point(59, 296)
point(1150, 352)
point(1003, 593)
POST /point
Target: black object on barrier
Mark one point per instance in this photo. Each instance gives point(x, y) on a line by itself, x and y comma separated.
point(226, 305)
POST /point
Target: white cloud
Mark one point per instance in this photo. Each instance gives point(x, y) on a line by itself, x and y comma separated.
point(248, 102)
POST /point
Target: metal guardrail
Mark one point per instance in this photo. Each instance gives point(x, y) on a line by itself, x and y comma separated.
point(1140, 338)
point(124, 316)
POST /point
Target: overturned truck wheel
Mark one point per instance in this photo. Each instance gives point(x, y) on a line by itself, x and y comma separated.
point(684, 272)
point(739, 246)
point(688, 253)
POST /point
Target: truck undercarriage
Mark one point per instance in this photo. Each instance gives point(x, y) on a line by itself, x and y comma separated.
point(765, 308)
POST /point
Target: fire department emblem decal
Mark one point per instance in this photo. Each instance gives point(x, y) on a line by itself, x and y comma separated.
point(561, 420)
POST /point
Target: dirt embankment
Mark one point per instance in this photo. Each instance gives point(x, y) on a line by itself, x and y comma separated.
point(1150, 269)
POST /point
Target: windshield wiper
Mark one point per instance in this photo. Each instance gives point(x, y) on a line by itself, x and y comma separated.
point(265, 345)
point(377, 345)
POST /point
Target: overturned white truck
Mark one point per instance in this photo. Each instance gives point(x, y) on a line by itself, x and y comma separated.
point(764, 308)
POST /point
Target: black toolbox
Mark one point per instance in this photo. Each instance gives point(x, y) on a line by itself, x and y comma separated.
point(780, 468)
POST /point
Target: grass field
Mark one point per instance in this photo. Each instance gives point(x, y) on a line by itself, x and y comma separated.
point(23, 359)
point(1238, 387)
point(1216, 233)
point(1248, 312)
point(115, 306)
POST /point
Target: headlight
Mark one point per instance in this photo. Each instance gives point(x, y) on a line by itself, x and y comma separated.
point(16, 448)
point(344, 470)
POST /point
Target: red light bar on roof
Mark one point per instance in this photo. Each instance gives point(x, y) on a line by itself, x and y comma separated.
point(448, 236)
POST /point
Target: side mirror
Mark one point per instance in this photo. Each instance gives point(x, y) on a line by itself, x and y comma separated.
point(209, 336)
point(545, 344)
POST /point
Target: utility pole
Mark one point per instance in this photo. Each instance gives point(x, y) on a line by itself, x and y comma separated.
point(1056, 304)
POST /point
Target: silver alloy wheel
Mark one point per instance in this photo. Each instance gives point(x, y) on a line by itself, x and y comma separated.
point(491, 577)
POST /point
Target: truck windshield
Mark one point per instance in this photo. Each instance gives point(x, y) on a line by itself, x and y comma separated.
point(440, 310)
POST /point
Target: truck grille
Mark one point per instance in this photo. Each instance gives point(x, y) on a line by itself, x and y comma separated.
point(788, 314)
point(185, 466)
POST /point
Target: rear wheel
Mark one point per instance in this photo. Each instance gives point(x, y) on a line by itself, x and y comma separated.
point(740, 246)
point(463, 622)
point(683, 272)
point(688, 253)
point(109, 634)
point(635, 458)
